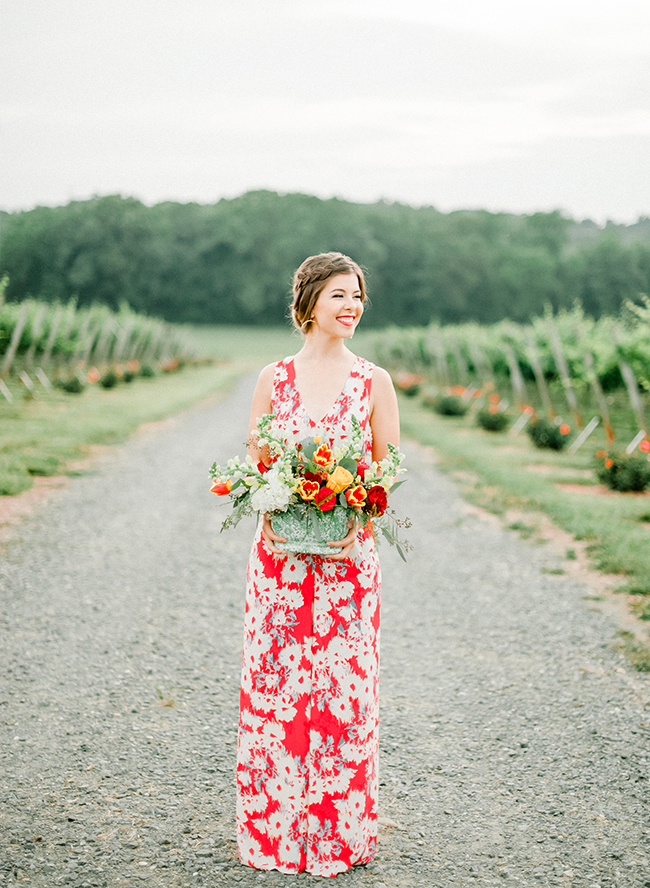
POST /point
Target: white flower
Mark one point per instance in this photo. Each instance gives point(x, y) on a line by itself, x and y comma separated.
point(273, 496)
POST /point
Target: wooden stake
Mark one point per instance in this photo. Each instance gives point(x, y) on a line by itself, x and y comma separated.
point(37, 326)
point(5, 391)
point(563, 367)
point(539, 378)
point(516, 379)
point(54, 328)
point(600, 396)
point(15, 340)
point(633, 391)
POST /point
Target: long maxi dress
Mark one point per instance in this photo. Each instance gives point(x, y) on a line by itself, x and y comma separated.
point(308, 728)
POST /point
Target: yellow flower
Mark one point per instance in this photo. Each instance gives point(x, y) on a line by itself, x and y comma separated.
point(339, 479)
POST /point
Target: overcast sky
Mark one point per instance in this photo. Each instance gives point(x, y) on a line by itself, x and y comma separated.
point(503, 104)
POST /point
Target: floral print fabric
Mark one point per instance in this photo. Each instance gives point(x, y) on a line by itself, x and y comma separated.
point(308, 742)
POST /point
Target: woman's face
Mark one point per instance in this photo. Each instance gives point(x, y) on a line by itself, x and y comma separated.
point(339, 307)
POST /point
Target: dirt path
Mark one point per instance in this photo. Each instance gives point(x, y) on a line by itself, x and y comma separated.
point(515, 740)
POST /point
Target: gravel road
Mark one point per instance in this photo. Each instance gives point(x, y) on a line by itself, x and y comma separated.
point(515, 739)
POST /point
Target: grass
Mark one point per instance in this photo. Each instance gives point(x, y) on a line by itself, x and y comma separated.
point(44, 435)
point(260, 345)
point(637, 654)
point(255, 346)
point(614, 524)
point(499, 472)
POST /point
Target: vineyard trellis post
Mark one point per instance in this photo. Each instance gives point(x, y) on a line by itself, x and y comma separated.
point(516, 379)
point(484, 371)
point(539, 377)
point(563, 368)
point(633, 392)
point(461, 363)
point(15, 339)
point(37, 326)
point(51, 339)
point(600, 396)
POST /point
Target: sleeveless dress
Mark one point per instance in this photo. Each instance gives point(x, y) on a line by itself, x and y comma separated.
point(308, 728)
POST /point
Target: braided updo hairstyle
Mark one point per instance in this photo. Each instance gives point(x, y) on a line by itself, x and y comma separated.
point(310, 279)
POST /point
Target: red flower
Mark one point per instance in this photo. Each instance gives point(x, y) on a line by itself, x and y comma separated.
point(315, 476)
point(325, 499)
point(609, 463)
point(221, 488)
point(262, 467)
point(645, 445)
point(376, 501)
point(362, 468)
point(565, 429)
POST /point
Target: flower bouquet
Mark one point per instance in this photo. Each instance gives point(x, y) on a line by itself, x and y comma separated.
point(312, 488)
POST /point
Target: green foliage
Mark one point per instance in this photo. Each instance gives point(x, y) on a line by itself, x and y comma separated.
point(231, 262)
point(109, 379)
point(74, 386)
point(41, 436)
point(546, 434)
point(451, 405)
point(499, 478)
point(492, 422)
point(623, 472)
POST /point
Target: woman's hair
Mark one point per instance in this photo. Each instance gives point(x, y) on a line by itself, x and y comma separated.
point(310, 279)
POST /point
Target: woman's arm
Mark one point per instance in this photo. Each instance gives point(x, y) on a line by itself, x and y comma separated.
point(260, 406)
point(384, 423)
point(384, 414)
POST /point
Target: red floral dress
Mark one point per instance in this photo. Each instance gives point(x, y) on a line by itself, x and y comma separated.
point(308, 741)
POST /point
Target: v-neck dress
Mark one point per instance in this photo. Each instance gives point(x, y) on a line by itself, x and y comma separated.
point(308, 726)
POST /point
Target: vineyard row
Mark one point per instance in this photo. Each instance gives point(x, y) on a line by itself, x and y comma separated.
point(560, 363)
point(43, 341)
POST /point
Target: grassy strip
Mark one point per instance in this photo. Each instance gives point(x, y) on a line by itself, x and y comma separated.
point(259, 345)
point(616, 525)
point(42, 436)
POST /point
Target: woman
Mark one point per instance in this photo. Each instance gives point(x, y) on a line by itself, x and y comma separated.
point(308, 743)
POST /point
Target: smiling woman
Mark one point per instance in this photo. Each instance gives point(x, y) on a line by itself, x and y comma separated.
point(308, 741)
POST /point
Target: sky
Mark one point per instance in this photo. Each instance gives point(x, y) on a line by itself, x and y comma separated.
point(506, 105)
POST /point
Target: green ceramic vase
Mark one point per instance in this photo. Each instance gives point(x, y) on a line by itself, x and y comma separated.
point(308, 530)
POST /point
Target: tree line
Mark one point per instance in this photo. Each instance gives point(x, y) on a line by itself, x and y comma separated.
point(231, 262)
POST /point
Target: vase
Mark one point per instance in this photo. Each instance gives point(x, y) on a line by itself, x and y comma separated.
point(308, 530)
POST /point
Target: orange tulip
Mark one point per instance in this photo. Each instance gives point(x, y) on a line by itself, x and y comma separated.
point(565, 429)
point(307, 490)
point(645, 446)
point(609, 463)
point(356, 496)
point(221, 488)
point(323, 456)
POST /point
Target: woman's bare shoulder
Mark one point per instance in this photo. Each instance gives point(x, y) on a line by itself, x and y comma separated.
point(381, 379)
point(267, 373)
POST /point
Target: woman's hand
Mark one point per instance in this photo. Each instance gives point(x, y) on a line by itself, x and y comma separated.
point(347, 543)
point(271, 538)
